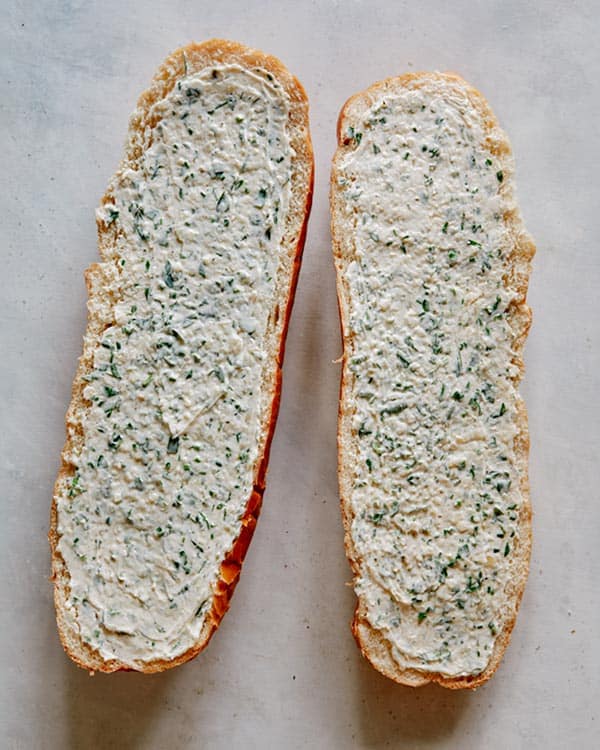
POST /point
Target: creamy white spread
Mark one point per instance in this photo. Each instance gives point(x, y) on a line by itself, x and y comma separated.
point(172, 428)
point(435, 494)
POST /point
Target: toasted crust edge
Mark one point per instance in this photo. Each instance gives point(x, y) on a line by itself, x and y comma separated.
point(371, 643)
point(194, 56)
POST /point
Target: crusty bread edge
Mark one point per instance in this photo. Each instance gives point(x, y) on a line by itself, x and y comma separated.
point(184, 60)
point(371, 643)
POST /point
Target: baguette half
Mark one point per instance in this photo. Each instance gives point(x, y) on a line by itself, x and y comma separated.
point(176, 395)
point(432, 262)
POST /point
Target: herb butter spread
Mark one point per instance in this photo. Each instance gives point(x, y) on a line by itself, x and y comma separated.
point(431, 368)
point(175, 404)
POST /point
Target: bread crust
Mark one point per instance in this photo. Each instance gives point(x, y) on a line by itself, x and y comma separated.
point(371, 643)
point(184, 61)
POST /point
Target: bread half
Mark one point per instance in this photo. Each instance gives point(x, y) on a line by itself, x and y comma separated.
point(176, 395)
point(432, 262)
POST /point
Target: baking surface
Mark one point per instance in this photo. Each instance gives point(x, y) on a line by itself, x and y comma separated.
point(283, 671)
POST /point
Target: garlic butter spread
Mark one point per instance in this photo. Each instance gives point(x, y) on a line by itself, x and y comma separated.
point(173, 424)
point(435, 495)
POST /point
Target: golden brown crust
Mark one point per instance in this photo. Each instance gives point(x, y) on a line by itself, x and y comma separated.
point(371, 643)
point(193, 57)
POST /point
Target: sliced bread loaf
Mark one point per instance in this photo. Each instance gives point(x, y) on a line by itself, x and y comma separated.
point(174, 402)
point(432, 263)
